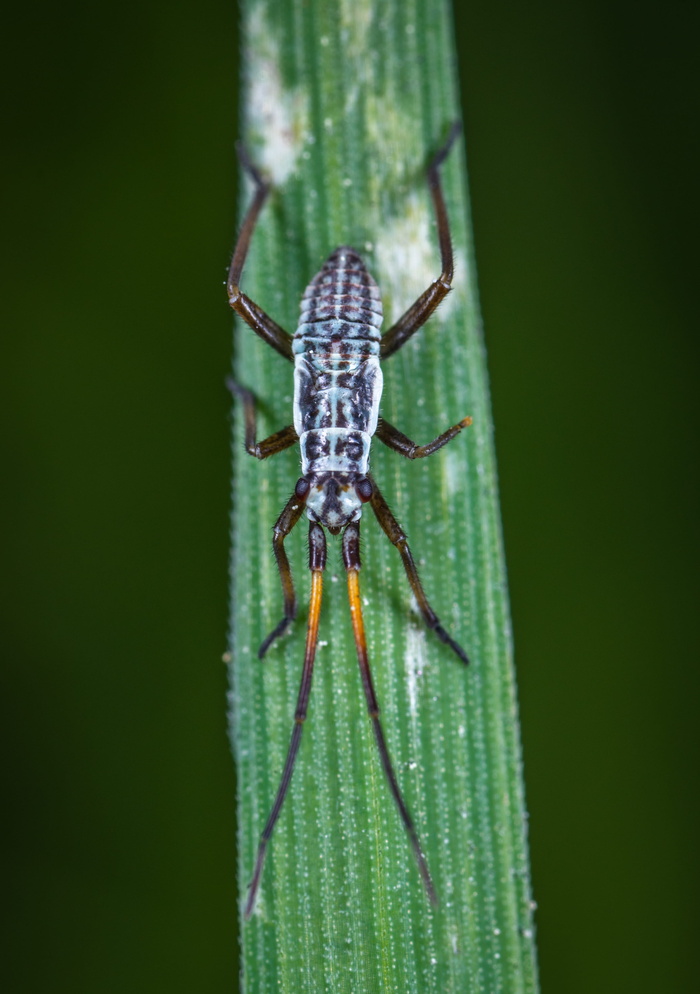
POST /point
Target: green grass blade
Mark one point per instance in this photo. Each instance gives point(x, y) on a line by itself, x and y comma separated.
point(343, 104)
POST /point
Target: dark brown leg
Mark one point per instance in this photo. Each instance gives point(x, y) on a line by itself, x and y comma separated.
point(396, 440)
point(293, 510)
point(317, 562)
point(394, 532)
point(269, 446)
point(258, 320)
point(351, 560)
point(416, 316)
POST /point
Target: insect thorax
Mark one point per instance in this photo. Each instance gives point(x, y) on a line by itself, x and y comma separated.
point(337, 384)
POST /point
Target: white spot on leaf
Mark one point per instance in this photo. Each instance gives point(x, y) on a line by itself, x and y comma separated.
point(278, 117)
point(415, 661)
point(408, 258)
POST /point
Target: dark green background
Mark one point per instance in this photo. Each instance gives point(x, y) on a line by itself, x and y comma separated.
point(118, 787)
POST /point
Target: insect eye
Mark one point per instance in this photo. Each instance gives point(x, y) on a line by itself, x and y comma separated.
point(364, 489)
point(302, 488)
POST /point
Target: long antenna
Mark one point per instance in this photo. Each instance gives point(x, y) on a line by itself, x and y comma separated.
point(317, 562)
point(351, 558)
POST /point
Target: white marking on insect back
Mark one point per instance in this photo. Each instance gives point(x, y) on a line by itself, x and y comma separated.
point(334, 450)
point(346, 398)
point(337, 378)
point(337, 384)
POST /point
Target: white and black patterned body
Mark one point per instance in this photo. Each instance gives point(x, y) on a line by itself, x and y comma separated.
point(337, 385)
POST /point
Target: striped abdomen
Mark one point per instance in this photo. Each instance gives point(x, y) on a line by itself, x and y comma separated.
point(337, 379)
point(341, 310)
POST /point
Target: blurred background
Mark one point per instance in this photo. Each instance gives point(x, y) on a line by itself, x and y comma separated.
point(118, 787)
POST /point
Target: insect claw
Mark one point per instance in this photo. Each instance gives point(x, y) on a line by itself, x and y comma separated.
point(444, 637)
point(250, 167)
point(274, 634)
point(254, 884)
point(443, 152)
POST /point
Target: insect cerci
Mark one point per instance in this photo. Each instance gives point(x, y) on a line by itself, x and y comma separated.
point(336, 350)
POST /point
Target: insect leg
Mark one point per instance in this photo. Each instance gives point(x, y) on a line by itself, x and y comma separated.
point(396, 440)
point(396, 535)
point(317, 563)
point(351, 560)
point(419, 312)
point(259, 321)
point(293, 510)
point(270, 446)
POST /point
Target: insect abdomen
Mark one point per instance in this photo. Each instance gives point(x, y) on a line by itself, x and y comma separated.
point(341, 312)
point(337, 379)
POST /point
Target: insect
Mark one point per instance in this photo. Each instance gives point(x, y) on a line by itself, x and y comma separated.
point(336, 352)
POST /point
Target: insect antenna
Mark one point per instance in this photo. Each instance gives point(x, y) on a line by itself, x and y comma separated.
point(317, 562)
point(351, 559)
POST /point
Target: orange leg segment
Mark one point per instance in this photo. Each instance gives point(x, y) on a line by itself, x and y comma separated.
point(317, 545)
point(351, 558)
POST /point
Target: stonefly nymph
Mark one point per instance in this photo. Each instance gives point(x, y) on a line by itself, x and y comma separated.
point(336, 351)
